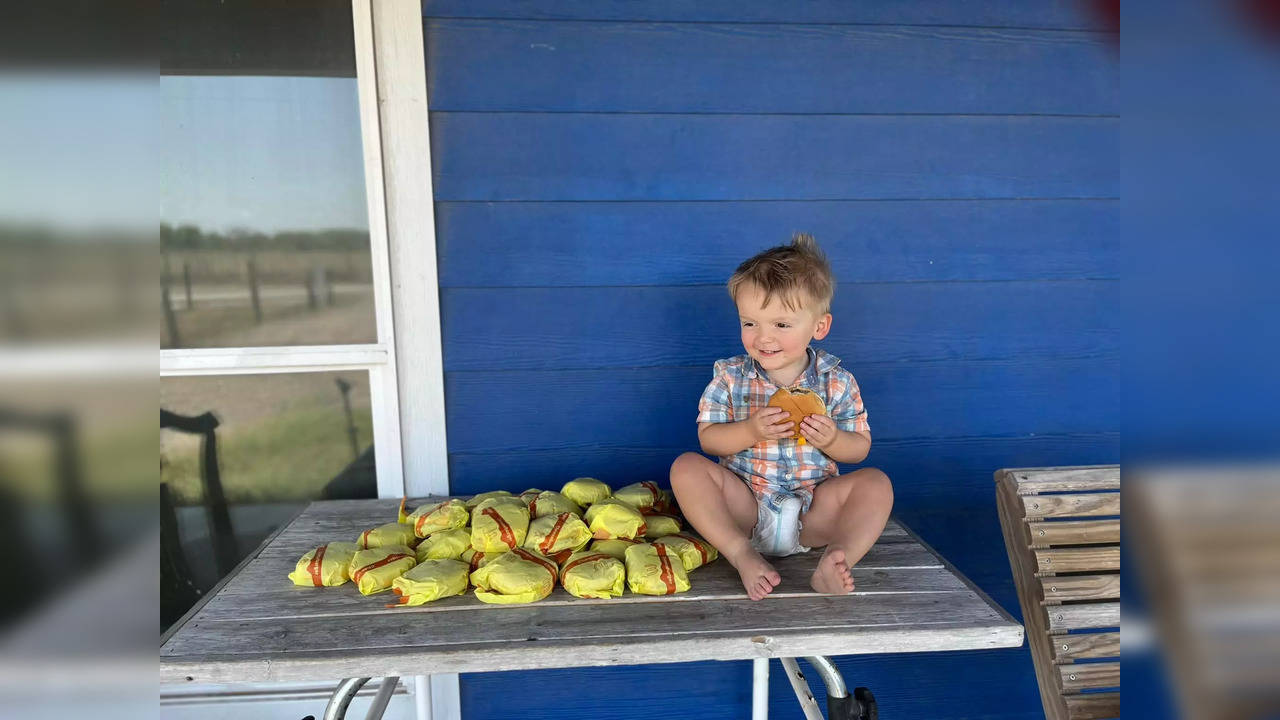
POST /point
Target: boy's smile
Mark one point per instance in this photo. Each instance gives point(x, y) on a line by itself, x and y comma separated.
point(776, 336)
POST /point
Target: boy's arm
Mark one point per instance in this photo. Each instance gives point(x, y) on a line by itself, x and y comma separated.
point(731, 438)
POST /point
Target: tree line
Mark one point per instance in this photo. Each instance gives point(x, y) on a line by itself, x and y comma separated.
point(191, 237)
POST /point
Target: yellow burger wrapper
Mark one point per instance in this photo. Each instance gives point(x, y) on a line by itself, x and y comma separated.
point(499, 525)
point(434, 517)
point(528, 495)
point(617, 547)
point(552, 503)
point(613, 519)
point(476, 560)
point(389, 534)
point(477, 499)
point(550, 534)
point(373, 570)
point(667, 504)
point(641, 495)
point(430, 580)
point(519, 576)
point(326, 566)
point(444, 545)
point(590, 574)
point(658, 524)
point(402, 517)
point(694, 552)
point(585, 491)
point(655, 570)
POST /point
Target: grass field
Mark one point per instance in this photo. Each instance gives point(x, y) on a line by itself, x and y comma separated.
point(282, 437)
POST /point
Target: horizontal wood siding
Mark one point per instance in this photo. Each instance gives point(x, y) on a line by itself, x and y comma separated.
point(601, 167)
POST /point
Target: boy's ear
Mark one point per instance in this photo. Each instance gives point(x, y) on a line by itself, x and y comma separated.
point(824, 327)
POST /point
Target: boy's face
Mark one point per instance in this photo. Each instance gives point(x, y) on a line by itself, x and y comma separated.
point(777, 336)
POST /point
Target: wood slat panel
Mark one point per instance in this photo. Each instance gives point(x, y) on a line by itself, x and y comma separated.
point(1056, 14)
point(1078, 646)
point(1084, 505)
point(1016, 394)
point(1080, 587)
point(567, 156)
point(1080, 617)
point(1032, 481)
point(1074, 532)
point(1063, 560)
point(1093, 706)
point(493, 328)
point(557, 66)
point(531, 244)
point(630, 623)
point(1088, 676)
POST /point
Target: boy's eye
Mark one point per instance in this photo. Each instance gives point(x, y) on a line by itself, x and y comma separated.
point(783, 325)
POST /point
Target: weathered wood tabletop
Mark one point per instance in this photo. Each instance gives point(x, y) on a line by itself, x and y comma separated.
point(258, 626)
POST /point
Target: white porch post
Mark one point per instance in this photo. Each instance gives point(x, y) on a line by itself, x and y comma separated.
point(396, 61)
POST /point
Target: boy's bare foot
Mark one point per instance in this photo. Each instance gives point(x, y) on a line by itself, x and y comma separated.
point(758, 576)
point(832, 576)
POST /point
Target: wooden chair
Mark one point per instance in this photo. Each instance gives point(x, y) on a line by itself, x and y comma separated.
point(1062, 531)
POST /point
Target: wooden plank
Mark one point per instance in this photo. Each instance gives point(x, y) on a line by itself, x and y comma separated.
point(641, 632)
point(1078, 646)
point(1063, 560)
point(1089, 676)
point(530, 244)
point(1079, 617)
point(486, 657)
point(1083, 505)
point(934, 464)
point(897, 322)
point(1033, 481)
point(1074, 532)
point(1093, 706)
point(726, 68)
point(1016, 395)
point(1057, 14)
point(1022, 564)
point(1079, 587)
point(569, 156)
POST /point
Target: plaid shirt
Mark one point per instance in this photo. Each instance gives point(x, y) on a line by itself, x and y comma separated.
point(779, 468)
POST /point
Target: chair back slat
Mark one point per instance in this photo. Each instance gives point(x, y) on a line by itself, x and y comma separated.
point(1062, 531)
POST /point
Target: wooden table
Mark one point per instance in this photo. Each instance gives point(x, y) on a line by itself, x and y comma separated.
point(257, 626)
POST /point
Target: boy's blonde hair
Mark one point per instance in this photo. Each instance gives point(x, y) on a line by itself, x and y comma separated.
point(789, 271)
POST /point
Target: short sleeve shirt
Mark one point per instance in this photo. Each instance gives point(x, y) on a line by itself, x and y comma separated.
point(779, 468)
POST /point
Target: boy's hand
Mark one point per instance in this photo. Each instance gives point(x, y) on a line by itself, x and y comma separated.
point(819, 430)
point(771, 423)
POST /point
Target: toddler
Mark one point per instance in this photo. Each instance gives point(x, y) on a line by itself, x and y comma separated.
point(771, 494)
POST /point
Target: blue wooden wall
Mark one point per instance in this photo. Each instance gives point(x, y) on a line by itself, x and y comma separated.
point(600, 168)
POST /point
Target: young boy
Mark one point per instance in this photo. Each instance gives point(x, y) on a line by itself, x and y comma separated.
point(770, 493)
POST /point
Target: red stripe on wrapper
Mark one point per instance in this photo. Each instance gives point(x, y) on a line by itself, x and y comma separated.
point(507, 534)
point(313, 567)
point(359, 574)
point(550, 540)
point(668, 575)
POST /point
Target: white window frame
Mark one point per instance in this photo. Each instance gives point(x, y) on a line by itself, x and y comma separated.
point(406, 363)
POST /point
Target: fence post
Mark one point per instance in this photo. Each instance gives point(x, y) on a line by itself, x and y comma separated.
point(253, 292)
point(186, 282)
point(170, 321)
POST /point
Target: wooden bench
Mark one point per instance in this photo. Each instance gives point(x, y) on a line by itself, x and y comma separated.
point(1062, 531)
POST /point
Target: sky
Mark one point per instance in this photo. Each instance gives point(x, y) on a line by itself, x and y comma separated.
point(261, 153)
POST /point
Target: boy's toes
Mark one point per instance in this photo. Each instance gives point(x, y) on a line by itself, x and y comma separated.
point(773, 578)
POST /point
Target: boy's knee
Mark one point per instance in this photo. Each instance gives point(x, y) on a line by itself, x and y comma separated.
point(685, 467)
point(877, 484)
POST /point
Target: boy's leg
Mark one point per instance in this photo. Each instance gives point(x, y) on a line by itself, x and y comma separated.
point(847, 515)
point(723, 510)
